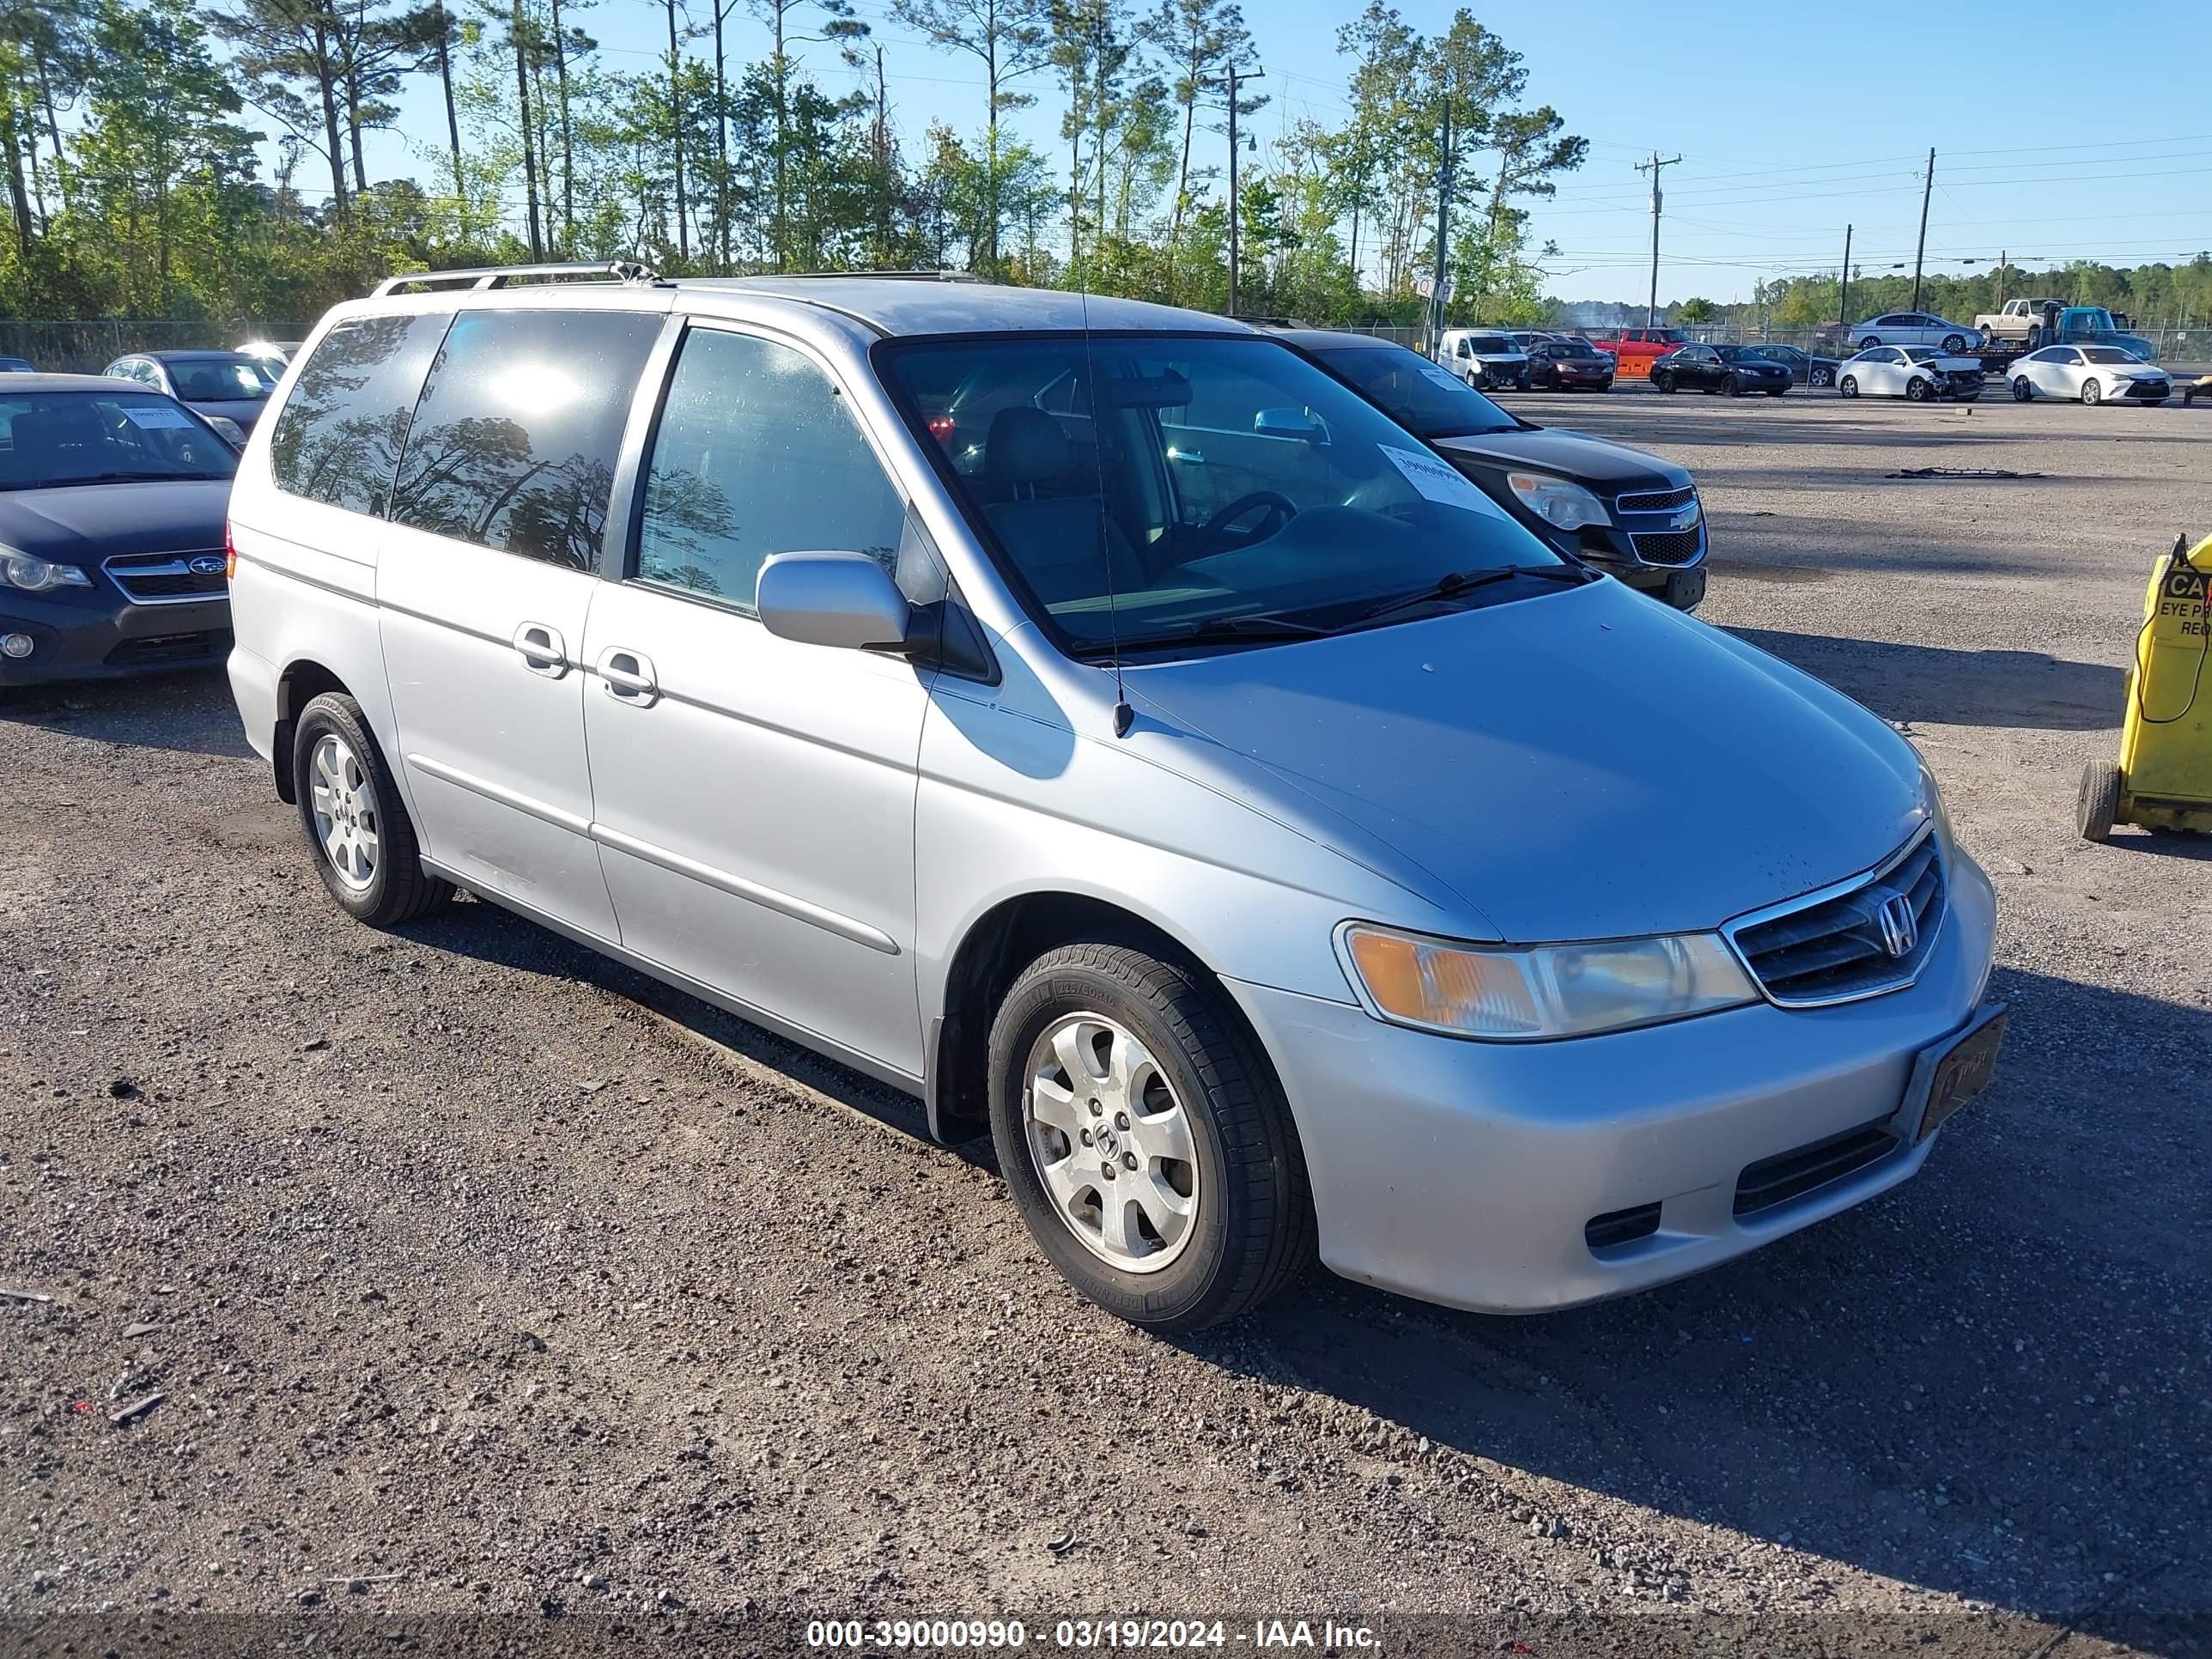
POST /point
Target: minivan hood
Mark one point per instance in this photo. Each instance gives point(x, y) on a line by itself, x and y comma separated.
point(1570, 455)
point(1581, 764)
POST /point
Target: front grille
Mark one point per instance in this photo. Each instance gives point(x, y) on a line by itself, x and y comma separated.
point(1964, 380)
point(1776, 1180)
point(1667, 546)
point(1664, 501)
point(1618, 1227)
point(207, 643)
point(1835, 949)
point(2146, 389)
point(166, 578)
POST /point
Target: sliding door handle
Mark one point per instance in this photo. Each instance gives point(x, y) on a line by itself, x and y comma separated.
point(543, 650)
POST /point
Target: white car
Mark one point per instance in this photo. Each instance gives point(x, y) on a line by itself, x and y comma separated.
point(1485, 359)
point(1919, 373)
point(2091, 374)
point(1912, 328)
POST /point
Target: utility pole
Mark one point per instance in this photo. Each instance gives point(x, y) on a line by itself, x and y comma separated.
point(676, 128)
point(2003, 254)
point(1229, 81)
point(1439, 294)
point(1927, 189)
point(1653, 167)
point(1843, 293)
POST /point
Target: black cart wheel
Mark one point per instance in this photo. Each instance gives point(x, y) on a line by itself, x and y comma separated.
point(2097, 807)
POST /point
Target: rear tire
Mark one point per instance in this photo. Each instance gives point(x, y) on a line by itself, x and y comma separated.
point(2023, 390)
point(1954, 344)
point(1870, 340)
point(1662, 382)
point(351, 813)
point(1249, 1229)
point(1819, 377)
point(1849, 385)
point(1777, 391)
point(2097, 806)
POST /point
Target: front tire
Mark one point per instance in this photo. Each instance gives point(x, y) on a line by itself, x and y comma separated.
point(1919, 390)
point(2092, 392)
point(1989, 338)
point(1145, 1139)
point(1734, 386)
point(364, 844)
point(1849, 385)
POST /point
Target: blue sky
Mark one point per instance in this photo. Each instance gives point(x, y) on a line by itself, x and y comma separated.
point(1792, 120)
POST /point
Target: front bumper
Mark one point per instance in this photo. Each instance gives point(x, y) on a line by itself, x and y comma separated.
point(109, 638)
point(1467, 1173)
point(1649, 552)
point(2145, 391)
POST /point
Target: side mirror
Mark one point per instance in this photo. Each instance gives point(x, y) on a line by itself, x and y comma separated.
point(1290, 423)
point(846, 600)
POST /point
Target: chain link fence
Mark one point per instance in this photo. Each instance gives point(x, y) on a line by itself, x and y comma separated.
point(86, 348)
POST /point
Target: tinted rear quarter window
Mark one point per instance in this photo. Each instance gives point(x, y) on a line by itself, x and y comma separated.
point(338, 435)
point(513, 444)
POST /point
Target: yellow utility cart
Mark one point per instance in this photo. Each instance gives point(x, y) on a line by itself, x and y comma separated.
point(2163, 780)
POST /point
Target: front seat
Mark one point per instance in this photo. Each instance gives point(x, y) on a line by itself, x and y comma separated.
point(1056, 541)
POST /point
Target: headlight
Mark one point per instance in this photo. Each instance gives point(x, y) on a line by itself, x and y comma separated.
point(36, 575)
point(1542, 991)
point(1567, 505)
point(226, 428)
point(1934, 797)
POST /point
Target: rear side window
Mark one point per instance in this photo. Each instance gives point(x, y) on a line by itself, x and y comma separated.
point(756, 455)
point(513, 445)
point(338, 435)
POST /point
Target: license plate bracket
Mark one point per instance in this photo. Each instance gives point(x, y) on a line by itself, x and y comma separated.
point(1946, 1075)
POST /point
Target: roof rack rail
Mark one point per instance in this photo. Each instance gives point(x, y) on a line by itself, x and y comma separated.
point(628, 272)
point(883, 275)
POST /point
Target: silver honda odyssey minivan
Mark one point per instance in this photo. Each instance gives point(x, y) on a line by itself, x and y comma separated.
point(1097, 721)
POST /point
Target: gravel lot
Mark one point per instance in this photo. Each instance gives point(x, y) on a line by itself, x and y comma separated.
point(477, 1276)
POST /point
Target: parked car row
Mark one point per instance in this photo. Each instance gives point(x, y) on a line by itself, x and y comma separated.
point(1494, 360)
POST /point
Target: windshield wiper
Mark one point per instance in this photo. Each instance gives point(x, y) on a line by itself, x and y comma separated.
point(1252, 628)
point(140, 477)
point(1452, 583)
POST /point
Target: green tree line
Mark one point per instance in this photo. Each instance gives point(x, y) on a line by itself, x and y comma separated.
point(206, 159)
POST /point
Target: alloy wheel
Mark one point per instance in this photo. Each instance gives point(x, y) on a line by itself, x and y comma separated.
point(1112, 1143)
point(348, 825)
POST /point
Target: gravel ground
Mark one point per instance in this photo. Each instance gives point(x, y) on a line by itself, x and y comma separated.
point(476, 1276)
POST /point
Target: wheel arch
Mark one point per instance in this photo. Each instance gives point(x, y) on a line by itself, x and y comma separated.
point(993, 951)
point(303, 680)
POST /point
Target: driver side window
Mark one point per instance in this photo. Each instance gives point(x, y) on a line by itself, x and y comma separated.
point(756, 455)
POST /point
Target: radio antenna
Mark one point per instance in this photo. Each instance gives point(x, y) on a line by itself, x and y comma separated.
point(1124, 716)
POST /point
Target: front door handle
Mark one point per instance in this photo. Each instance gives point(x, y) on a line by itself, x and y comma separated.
point(543, 650)
point(628, 677)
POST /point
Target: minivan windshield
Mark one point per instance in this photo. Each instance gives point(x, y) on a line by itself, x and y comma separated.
point(1417, 394)
point(48, 438)
point(1144, 489)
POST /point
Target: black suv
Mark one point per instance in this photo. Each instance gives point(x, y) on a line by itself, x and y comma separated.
point(1632, 516)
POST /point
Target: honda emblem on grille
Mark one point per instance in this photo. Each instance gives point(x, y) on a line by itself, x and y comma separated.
point(1899, 932)
point(206, 565)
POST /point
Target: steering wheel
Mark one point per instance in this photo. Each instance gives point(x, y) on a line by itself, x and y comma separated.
point(1281, 509)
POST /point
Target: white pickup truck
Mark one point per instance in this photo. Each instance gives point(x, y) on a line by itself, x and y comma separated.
point(2020, 324)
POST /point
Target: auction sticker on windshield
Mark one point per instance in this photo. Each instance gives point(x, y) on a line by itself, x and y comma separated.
point(1442, 376)
point(1438, 481)
point(157, 416)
